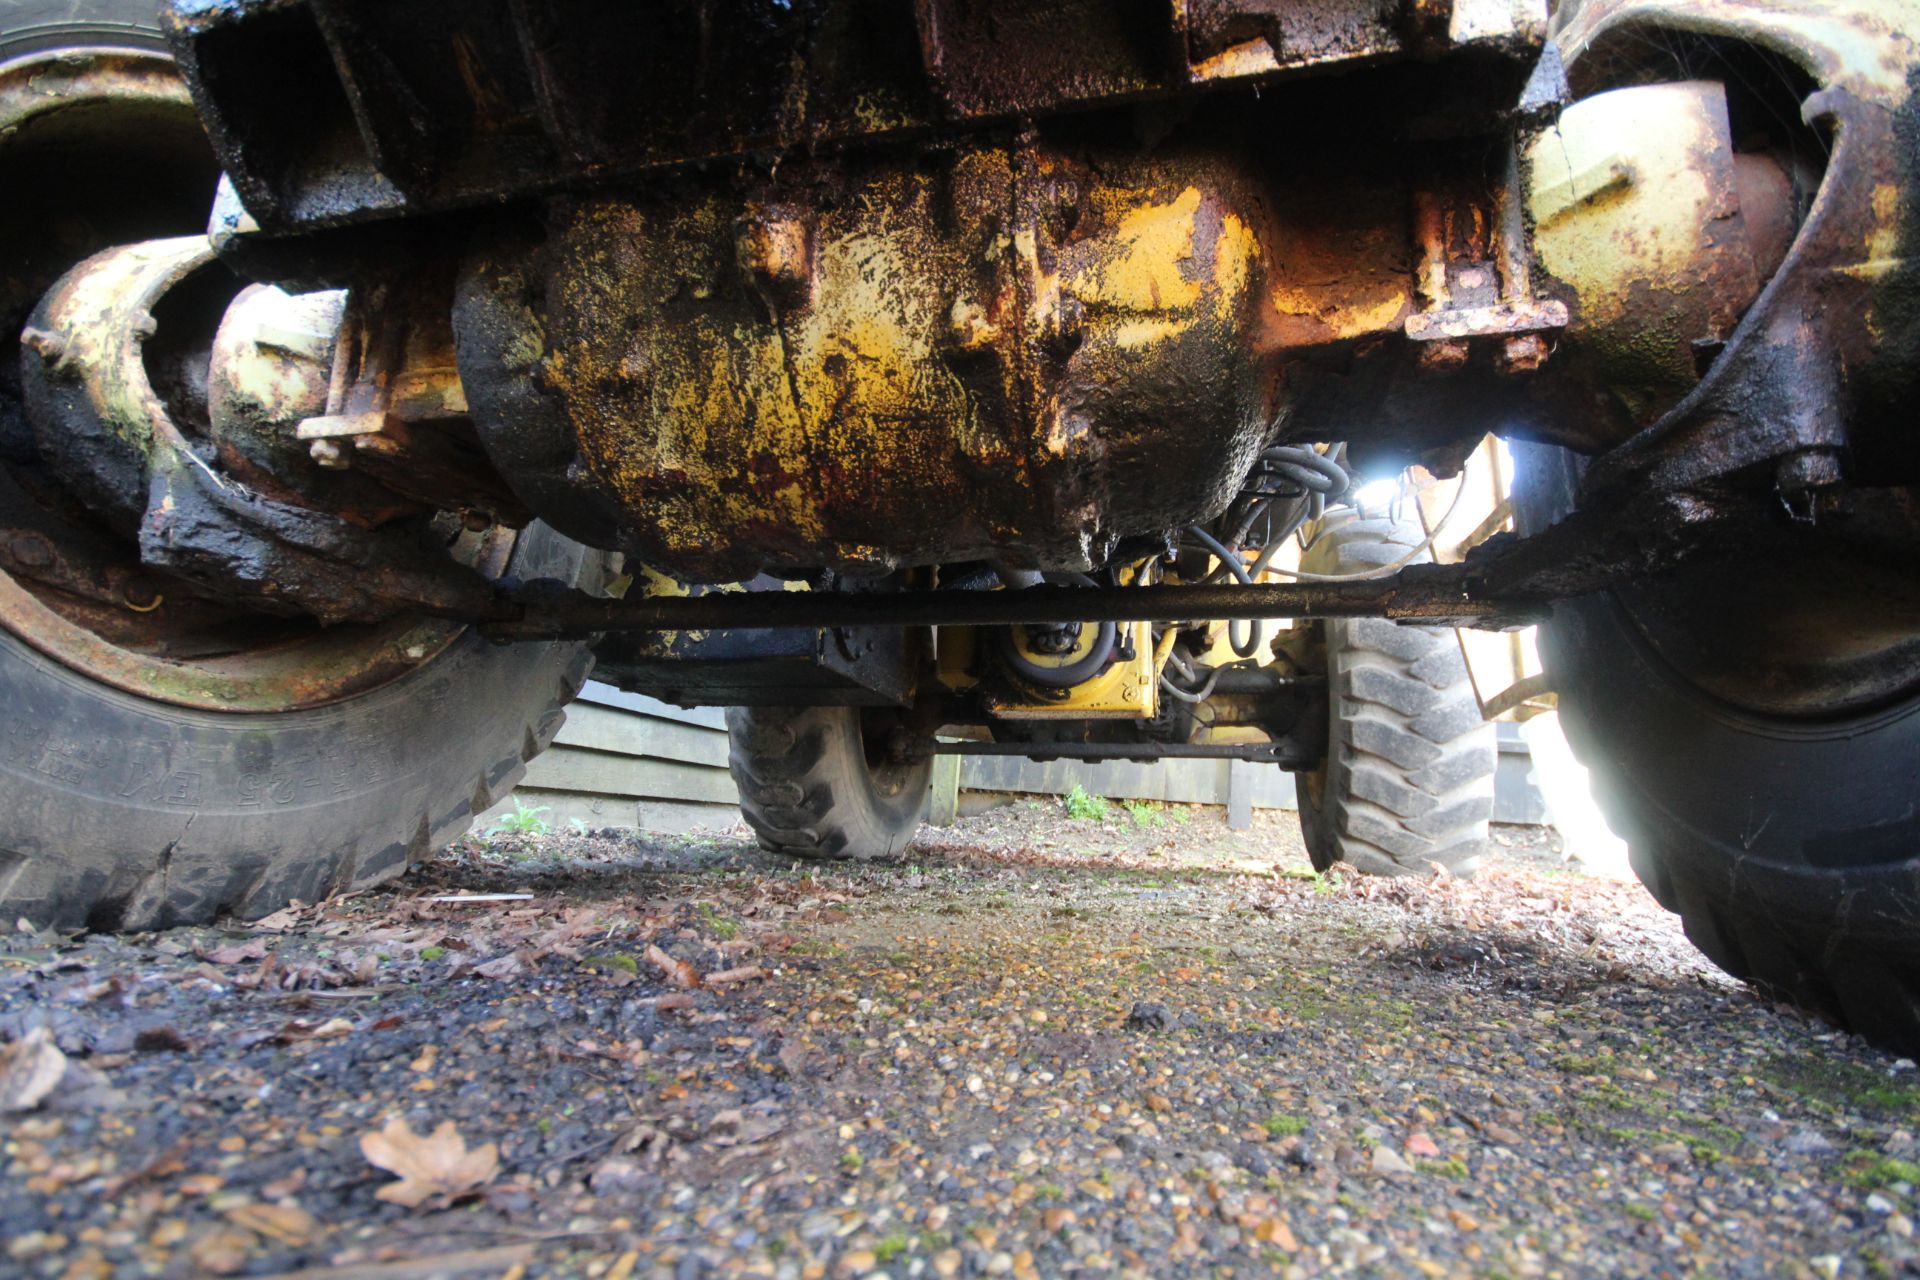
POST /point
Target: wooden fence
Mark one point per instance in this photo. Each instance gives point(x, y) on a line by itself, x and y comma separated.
point(624, 760)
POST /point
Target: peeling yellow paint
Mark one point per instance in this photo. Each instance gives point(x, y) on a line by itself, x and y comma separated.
point(1143, 272)
point(947, 326)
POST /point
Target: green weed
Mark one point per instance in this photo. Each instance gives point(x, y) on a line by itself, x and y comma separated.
point(523, 821)
point(1080, 804)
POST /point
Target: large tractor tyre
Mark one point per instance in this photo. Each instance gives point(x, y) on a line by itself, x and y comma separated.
point(1407, 784)
point(1789, 845)
point(816, 782)
point(126, 811)
point(164, 764)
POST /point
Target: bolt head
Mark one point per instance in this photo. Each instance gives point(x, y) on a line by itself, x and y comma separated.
point(1521, 353)
point(31, 551)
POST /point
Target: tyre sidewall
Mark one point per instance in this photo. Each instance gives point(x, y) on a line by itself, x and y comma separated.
point(1809, 827)
point(807, 788)
point(245, 810)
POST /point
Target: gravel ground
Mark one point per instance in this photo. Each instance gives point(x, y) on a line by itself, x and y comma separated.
point(1041, 1046)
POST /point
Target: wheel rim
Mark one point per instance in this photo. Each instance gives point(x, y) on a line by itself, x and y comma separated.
point(1797, 631)
point(876, 727)
point(100, 146)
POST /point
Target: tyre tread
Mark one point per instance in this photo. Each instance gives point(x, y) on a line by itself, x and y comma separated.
point(1408, 785)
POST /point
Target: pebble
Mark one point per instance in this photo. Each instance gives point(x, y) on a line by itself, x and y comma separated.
point(1387, 1161)
point(1808, 1142)
point(947, 1079)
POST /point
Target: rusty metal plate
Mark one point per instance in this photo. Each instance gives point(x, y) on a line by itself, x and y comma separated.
point(984, 357)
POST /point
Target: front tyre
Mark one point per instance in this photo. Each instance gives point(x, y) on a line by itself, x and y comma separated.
point(1407, 784)
point(1782, 829)
point(817, 782)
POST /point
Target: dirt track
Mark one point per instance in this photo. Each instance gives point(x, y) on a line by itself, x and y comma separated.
point(1043, 1046)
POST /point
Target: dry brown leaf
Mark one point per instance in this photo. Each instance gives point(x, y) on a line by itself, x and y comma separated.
point(500, 968)
point(222, 1251)
point(438, 1166)
point(30, 1068)
point(301, 1029)
point(166, 1164)
point(677, 972)
point(745, 973)
point(289, 1224)
point(239, 952)
point(281, 1188)
point(679, 1000)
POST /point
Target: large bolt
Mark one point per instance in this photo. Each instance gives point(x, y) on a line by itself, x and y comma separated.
point(329, 454)
point(1805, 470)
point(1520, 353)
point(31, 551)
point(1803, 475)
point(775, 251)
point(1445, 356)
point(46, 344)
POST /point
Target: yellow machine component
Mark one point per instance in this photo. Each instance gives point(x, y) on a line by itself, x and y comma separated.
point(1129, 688)
point(803, 381)
point(1126, 688)
point(1641, 205)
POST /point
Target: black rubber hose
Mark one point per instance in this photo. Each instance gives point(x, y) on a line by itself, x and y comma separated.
point(1297, 463)
point(1239, 570)
point(1195, 695)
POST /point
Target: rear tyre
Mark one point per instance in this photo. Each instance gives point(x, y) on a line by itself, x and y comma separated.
point(1407, 785)
point(1789, 845)
point(815, 782)
point(128, 812)
point(138, 793)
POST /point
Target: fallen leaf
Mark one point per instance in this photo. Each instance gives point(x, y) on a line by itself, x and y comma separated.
point(288, 1224)
point(501, 968)
point(281, 1188)
point(287, 917)
point(678, 972)
point(301, 1029)
point(222, 1251)
point(438, 1166)
point(166, 1164)
point(678, 1000)
point(745, 973)
point(29, 1070)
point(239, 952)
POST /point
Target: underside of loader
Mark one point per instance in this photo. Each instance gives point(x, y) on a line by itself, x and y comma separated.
point(1089, 380)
